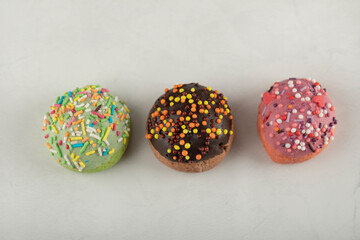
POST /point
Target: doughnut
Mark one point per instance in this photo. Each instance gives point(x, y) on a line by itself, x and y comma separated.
point(296, 120)
point(88, 129)
point(190, 128)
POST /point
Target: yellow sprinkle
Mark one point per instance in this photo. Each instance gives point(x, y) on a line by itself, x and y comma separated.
point(159, 109)
point(164, 129)
point(106, 133)
point(212, 102)
point(76, 158)
point(55, 129)
point(211, 95)
point(199, 102)
point(189, 96)
point(91, 142)
point(192, 89)
point(221, 116)
point(225, 98)
point(176, 147)
point(75, 138)
point(152, 131)
point(171, 98)
point(208, 88)
point(90, 152)
point(187, 157)
point(177, 99)
point(75, 99)
point(208, 130)
point(125, 140)
point(181, 90)
point(218, 131)
point(172, 103)
point(111, 151)
point(185, 131)
point(225, 105)
point(170, 134)
point(183, 97)
point(227, 110)
point(231, 132)
point(187, 118)
point(128, 110)
point(169, 150)
point(165, 121)
point(191, 101)
point(195, 130)
point(225, 131)
point(206, 102)
point(187, 145)
point(206, 111)
point(72, 155)
point(81, 164)
point(83, 127)
point(156, 136)
point(183, 126)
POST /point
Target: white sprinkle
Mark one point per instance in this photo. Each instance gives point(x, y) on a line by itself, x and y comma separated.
point(317, 87)
point(293, 130)
point(328, 105)
point(288, 117)
point(87, 122)
point(308, 131)
point(294, 90)
point(318, 130)
point(325, 111)
point(116, 98)
point(302, 99)
point(279, 121)
point(120, 139)
point(287, 145)
point(294, 111)
point(290, 82)
point(299, 147)
point(263, 112)
point(332, 138)
point(307, 125)
point(302, 144)
point(271, 122)
point(321, 115)
point(303, 88)
point(297, 95)
point(325, 126)
point(95, 136)
point(107, 143)
point(99, 151)
point(67, 160)
point(87, 110)
point(291, 86)
point(53, 151)
point(71, 100)
point(303, 148)
point(307, 99)
point(297, 141)
point(302, 131)
point(316, 134)
point(300, 116)
point(308, 113)
point(277, 92)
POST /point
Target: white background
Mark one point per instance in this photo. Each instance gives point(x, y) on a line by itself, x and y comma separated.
point(138, 48)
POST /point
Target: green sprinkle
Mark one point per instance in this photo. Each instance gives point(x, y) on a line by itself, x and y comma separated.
point(65, 101)
point(52, 140)
point(79, 108)
point(108, 102)
point(84, 147)
point(57, 100)
point(58, 150)
point(67, 116)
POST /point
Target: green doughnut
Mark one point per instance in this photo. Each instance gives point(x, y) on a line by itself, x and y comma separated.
point(79, 129)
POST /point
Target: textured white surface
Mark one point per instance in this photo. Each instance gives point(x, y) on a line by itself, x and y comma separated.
point(136, 49)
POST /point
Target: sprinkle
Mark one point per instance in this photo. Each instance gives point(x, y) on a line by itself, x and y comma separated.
point(77, 145)
point(106, 133)
point(90, 152)
point(58, 150)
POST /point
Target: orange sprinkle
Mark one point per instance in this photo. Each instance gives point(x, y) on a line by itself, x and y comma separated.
point(162, 101)
point(162, 117)
point(212, 135)
point(85, 139)
point(98, 130)
point(166, 90)
point(218, 120)
point(94, 145)
point(182, 142)
point(198, 157)
point(216, 91)
point(217, 110)
point(276, 129)
point(213, 129)
point(173, 129)
point(201, 110)
point(175, 90)
point(222, 102)
point(193, 105)
point(161, 125)
point(204, 123)
point(168, 125)
point(157, 129)
point(178, 112)
point(208, 106)
point(156, 113)
point(83, 100)
point(122, 117)
point(192, 125)
point(78, 113)
point(148, 136)
point(66, 134)
point(182, 118)
point(194, 116)
point(175, 86)
point(231, 117)
point(184, 153)
point(165, 112)
point(48, 145)
point(193, 109)
point(182, 135)
point(174, 157)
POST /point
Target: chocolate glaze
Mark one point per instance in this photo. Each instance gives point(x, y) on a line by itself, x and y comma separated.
point(201, 143)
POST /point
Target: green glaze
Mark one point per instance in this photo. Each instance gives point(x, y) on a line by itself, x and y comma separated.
point(93, 162)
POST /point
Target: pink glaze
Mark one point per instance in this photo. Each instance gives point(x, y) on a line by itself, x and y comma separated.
point(298, 117)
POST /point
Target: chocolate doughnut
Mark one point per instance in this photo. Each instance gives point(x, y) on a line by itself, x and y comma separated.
point(190, 127)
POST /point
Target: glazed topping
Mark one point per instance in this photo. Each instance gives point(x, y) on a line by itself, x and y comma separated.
point(84, 123)
point(189, 123)
point(297, 116)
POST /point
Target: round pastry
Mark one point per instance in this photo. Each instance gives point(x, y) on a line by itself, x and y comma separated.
point(190, 128)
point(296, 120)
point(88, 129)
